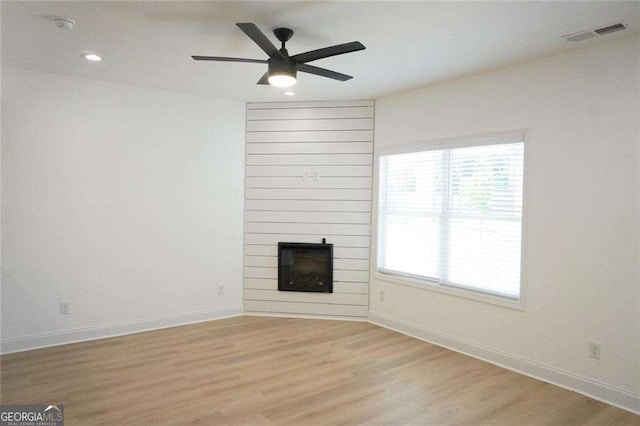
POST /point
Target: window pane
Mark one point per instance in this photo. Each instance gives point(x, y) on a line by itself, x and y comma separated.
point(486, 180)
point(410, 244)
point(485, 254)
point(411, 183)
point(483, 226)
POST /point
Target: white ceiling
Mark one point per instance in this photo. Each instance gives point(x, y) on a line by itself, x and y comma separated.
point(409, 44)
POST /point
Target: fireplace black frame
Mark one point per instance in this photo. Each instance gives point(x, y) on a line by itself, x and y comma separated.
point(328, 248)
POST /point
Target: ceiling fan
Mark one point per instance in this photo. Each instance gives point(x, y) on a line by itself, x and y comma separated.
point(282, 67)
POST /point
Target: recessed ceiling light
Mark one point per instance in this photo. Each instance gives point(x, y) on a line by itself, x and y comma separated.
point(289, 93)
point(91, 57)
point(63, 23)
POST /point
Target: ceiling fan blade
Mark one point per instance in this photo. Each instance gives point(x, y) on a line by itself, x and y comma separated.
point(260, 39)
point(326, 52)
point(264, 79)
point(224, 59)
point(323, 72)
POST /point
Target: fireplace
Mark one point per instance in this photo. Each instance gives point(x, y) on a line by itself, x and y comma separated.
point(305, 267)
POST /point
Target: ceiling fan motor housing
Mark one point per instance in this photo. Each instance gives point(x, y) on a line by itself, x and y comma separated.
point(286, 65)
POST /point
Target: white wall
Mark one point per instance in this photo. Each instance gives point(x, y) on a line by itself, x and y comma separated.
point(581, 209)
point(287, 142)
point(125, 202)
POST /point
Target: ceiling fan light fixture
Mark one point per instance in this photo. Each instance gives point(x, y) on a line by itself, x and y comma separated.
point(282, 80)
point(282, 72)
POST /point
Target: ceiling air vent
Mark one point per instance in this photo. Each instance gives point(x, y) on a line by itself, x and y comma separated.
point(610, 29)
point(596, 32)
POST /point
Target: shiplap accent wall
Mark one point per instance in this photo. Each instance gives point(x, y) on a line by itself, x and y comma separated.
point(308, 177)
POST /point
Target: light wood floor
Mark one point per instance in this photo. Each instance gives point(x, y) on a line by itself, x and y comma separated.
point(253, 370)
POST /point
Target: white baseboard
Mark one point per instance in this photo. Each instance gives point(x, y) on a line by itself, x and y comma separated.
point(589, 387)
point(305, 316)
point(112, 330)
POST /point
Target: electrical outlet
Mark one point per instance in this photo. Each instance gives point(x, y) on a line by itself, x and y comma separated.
point(594, 350)
point(381, 296)
point(64, 308)
point(220, 290)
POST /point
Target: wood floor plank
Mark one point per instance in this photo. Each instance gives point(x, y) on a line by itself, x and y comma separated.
point(290, 371)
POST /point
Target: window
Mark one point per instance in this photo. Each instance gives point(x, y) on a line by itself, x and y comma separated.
point(451, 214)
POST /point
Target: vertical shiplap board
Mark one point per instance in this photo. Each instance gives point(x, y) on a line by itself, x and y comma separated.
point(308, 177)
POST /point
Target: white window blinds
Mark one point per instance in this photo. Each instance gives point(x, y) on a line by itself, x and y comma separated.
point(453, 215)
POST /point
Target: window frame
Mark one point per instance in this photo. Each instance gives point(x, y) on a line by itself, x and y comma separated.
point(518, 135)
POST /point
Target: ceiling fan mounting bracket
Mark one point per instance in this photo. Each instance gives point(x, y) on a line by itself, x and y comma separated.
point(283, 34)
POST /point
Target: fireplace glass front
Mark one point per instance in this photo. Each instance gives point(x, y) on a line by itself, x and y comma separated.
point(305, 267)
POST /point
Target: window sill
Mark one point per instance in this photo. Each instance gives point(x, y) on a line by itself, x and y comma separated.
point(452, 291)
